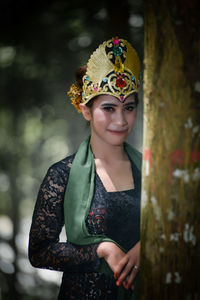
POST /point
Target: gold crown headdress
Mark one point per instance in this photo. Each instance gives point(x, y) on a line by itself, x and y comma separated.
point(113, 69)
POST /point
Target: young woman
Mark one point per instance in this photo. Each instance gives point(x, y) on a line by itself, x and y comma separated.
point(96, 191)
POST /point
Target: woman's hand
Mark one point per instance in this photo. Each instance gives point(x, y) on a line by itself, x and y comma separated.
point(128, 267)
point(111, 253)
point(124, 265)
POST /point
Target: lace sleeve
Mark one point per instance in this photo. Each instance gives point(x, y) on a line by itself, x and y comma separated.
point(45, 250)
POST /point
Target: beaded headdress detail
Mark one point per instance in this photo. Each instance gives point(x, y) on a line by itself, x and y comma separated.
point(113, 69)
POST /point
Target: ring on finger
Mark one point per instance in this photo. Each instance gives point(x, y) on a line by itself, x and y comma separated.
point(136, 267)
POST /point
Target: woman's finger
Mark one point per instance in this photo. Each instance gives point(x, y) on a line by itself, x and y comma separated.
point(120, 267)
point(132, 276)
point(125, 284)
point(125, 272)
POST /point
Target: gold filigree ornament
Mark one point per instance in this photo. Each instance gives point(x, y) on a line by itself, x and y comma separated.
point(113, 69)
point(75, 94)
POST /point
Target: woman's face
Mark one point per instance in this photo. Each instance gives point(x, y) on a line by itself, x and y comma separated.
point(111, 121)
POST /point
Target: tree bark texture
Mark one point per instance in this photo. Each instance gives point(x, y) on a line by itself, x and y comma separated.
point(170, 227)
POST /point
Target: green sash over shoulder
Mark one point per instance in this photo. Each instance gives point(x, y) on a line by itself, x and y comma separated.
point(79, 194)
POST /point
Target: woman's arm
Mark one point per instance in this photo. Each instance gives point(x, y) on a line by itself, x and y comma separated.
point(45, 250)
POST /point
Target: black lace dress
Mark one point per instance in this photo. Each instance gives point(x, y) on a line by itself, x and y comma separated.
point(115, 214)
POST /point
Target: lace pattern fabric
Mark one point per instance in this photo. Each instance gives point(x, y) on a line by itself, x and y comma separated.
point(88, 286)
point(45, 250)
point(115, 215)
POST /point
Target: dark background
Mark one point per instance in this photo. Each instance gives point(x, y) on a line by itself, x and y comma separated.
point(41, 45)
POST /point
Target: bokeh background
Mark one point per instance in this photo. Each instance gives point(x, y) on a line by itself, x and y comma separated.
point(41, 46)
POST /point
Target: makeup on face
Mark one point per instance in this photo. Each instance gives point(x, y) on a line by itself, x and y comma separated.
point(112, 119)
point(131, 104)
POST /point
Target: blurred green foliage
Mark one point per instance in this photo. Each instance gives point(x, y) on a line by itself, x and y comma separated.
point(41, 45)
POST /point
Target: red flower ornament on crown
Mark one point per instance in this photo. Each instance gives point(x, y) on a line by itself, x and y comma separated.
point(120, 81)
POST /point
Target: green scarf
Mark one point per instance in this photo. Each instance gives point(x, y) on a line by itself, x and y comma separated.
point(78, 198)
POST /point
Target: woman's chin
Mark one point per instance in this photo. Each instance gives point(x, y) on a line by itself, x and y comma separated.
point(117, 139)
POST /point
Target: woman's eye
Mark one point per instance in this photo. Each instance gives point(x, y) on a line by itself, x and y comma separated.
point(108, 108)
point(130, 108)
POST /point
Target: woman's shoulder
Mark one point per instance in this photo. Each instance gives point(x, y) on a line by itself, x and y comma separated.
point(62, 166)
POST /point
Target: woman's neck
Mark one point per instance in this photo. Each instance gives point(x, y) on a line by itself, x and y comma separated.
point(107, 152)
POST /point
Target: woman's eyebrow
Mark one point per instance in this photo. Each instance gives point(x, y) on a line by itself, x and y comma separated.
point(114, 104)
point(129, 103)
point(108, 104)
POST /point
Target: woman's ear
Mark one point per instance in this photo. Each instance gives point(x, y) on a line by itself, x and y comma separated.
point(86, 112)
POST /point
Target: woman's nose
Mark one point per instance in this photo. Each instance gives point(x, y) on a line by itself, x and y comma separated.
point(120, 118)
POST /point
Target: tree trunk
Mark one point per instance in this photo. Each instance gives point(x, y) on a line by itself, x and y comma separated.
point(170, 227)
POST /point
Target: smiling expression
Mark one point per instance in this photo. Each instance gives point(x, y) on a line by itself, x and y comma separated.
point(111, 121)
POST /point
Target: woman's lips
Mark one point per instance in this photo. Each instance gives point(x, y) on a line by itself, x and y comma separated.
point(118, 132)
